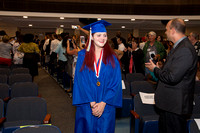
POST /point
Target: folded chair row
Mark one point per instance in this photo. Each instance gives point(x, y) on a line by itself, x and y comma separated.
point(11, 79)
point(8, 71)
point(19, 89)
point(23, 111)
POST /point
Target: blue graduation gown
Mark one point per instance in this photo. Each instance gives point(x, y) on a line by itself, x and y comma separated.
point(85, 91)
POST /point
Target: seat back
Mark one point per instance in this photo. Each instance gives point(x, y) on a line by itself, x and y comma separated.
point(141, 86)
point(1, 108)
point(39, 129)
point(126, 102)
point(3, 78)
point(193, 128)
point(26, 108)
point(5, 71)
point(123, 77)
point(4, 91)
point(126, 92)
point(19, 78)
point(130, 77)
point(144, 109)
point(20, 70)
point(24, 89)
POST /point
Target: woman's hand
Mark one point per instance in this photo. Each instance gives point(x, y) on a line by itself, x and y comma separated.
point(92, 104)
point(98, 109)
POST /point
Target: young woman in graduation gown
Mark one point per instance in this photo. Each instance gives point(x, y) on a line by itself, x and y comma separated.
point(97, 84)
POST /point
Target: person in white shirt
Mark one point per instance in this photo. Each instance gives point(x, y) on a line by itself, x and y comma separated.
point(53, 56)
point(54, 43)
point(121, 46)
point(46, 42)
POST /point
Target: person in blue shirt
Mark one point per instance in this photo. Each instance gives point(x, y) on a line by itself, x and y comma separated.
point(97, 88)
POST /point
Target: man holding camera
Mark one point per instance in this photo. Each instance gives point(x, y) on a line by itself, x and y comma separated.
point(153, 50)
point(175, 90)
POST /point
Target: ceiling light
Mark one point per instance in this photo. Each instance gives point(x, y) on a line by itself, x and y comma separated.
point(62, 18)
point(123, 27)
point(30, 25)
point(25, 16)
point(61, 25)
point(186, 20)
point(98, 18)
point(132, 19)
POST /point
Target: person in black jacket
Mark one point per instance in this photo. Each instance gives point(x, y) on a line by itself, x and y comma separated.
point(175, 90)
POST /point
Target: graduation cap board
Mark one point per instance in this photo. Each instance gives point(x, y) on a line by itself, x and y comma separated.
point(98, 26)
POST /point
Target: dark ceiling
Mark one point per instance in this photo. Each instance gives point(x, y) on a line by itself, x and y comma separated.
point(121, 7)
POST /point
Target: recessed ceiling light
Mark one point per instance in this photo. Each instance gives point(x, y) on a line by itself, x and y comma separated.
point(123, 27)
point(25, 16)
point(98, 18)
point(132, 19)
point(61, 25)
point(30, 25)
point(186, 20)
point(62, 18)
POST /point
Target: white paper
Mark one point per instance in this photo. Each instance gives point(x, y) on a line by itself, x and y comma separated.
point(123, 85)
point(198, 122)
point(147, 98)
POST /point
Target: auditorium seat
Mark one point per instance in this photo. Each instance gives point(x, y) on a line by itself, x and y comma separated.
point(193, 128)
point(24, 89)
point(126, 102)
point(20, 70)
point(141, 86)
point(38, 129)
point(4, 92)
point(130, 77)
point(3, 78)
point(2, 118)
point(25, 111)
point(19, 78)
point(5, 71)
point(145, 117)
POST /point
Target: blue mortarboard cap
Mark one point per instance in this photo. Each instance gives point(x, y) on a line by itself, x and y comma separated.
point(98, 26)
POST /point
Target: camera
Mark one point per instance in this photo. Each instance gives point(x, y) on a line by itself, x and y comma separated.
point(154, 61)
point(82, 39)
point(74, 27)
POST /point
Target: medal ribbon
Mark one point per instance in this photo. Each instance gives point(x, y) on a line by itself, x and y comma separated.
point(97, 68)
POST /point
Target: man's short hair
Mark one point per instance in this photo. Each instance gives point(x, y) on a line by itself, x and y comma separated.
point(152, 33)
point(195, 35)
point(178, 25)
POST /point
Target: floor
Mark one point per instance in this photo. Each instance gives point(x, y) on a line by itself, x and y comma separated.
point(59, 105)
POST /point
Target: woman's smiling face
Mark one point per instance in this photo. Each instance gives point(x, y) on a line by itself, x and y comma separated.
point(100, 39)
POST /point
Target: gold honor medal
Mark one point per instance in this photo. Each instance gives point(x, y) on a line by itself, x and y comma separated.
point(98, 83)
point(97, 68)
